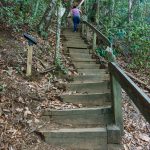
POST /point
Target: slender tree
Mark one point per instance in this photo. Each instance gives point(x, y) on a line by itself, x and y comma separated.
point(58, 29)
point(46, 19)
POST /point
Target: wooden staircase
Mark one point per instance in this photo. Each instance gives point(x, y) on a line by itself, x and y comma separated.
point(93, 126)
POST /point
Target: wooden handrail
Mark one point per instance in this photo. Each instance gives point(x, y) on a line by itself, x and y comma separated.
point(139, 98)
point(99, 34)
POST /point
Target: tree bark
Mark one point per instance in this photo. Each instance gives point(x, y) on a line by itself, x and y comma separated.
point(111, 13)
point(130, 12)
point(67, 12)
point(46, 19)
point(57, 50)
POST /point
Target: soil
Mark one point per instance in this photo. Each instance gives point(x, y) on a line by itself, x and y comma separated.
point(22, 98)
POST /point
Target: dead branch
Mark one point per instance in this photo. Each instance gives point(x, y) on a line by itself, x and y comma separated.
point(48, 70)
point(41, 62)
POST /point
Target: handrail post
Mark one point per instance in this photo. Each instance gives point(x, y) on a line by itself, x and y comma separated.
point(117, 102)
point(94, 41)
point(87, 30)
point(83, 29)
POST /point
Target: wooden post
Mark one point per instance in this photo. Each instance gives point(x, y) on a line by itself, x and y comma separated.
point(94, 41)
point(83, 29)
point(29, 60)
point(117, 103)
point(87, 30)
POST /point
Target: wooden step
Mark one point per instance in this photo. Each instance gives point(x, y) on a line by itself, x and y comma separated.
point(90, 78)
point(88, 88)
point(88, 100)
point(92, 71)
point(77, 139)
point(72, 35)
point(69, 40)
point(86, 65)
point(76, 45)
point(82, 117)
point(82, 138)
point(80, 55)
point(88, 60)
point(78, 50)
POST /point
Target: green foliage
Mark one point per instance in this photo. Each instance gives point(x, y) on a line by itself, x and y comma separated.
point(103, 53)
point(18, 13)
point(60, 65)
point(2, 87)
point(134, 34)
point(138, 36)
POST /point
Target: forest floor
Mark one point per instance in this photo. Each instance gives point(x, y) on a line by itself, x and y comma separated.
point(22, 98)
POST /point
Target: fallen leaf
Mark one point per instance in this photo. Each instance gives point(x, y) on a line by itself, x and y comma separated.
point(144, 137)
point(19, 109)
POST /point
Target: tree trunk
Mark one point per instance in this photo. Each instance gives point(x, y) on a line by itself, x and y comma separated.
point(57, 50)
point(67, 12)
point(96, 22)
point(130, 12)
point(111, 12)
point(46, 19)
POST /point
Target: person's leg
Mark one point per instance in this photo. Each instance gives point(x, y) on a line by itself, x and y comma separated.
point(75, 23)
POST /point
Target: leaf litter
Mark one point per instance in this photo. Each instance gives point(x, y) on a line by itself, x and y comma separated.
point(22, 99)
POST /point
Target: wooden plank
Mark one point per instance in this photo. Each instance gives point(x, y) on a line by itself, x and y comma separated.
point(99, 34)
point(82, 117)
point(77, 139)
point(88, 99)
point(117, 103)
point(88, 88)
point(90, 78)
point(92, 71)
point(140, 99)
point(86, 66)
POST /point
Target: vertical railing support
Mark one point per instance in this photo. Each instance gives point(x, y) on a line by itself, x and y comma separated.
point(117, 103)
point(83, 29)
point(94, 41)
point(87, 30)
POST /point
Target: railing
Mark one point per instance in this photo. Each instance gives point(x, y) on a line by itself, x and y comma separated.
point(120, 79)
point(99, 34)
point(139, 98)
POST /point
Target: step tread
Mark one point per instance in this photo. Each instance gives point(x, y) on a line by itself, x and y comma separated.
point(102, 109)
point(75, 130)
point(91, 83)
point(88, 100)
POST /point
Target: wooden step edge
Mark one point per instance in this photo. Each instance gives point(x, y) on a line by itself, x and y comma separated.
point(80, 94)
point(101, 110)
point(89, 83)
point(77, 139)
point(75, 130)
